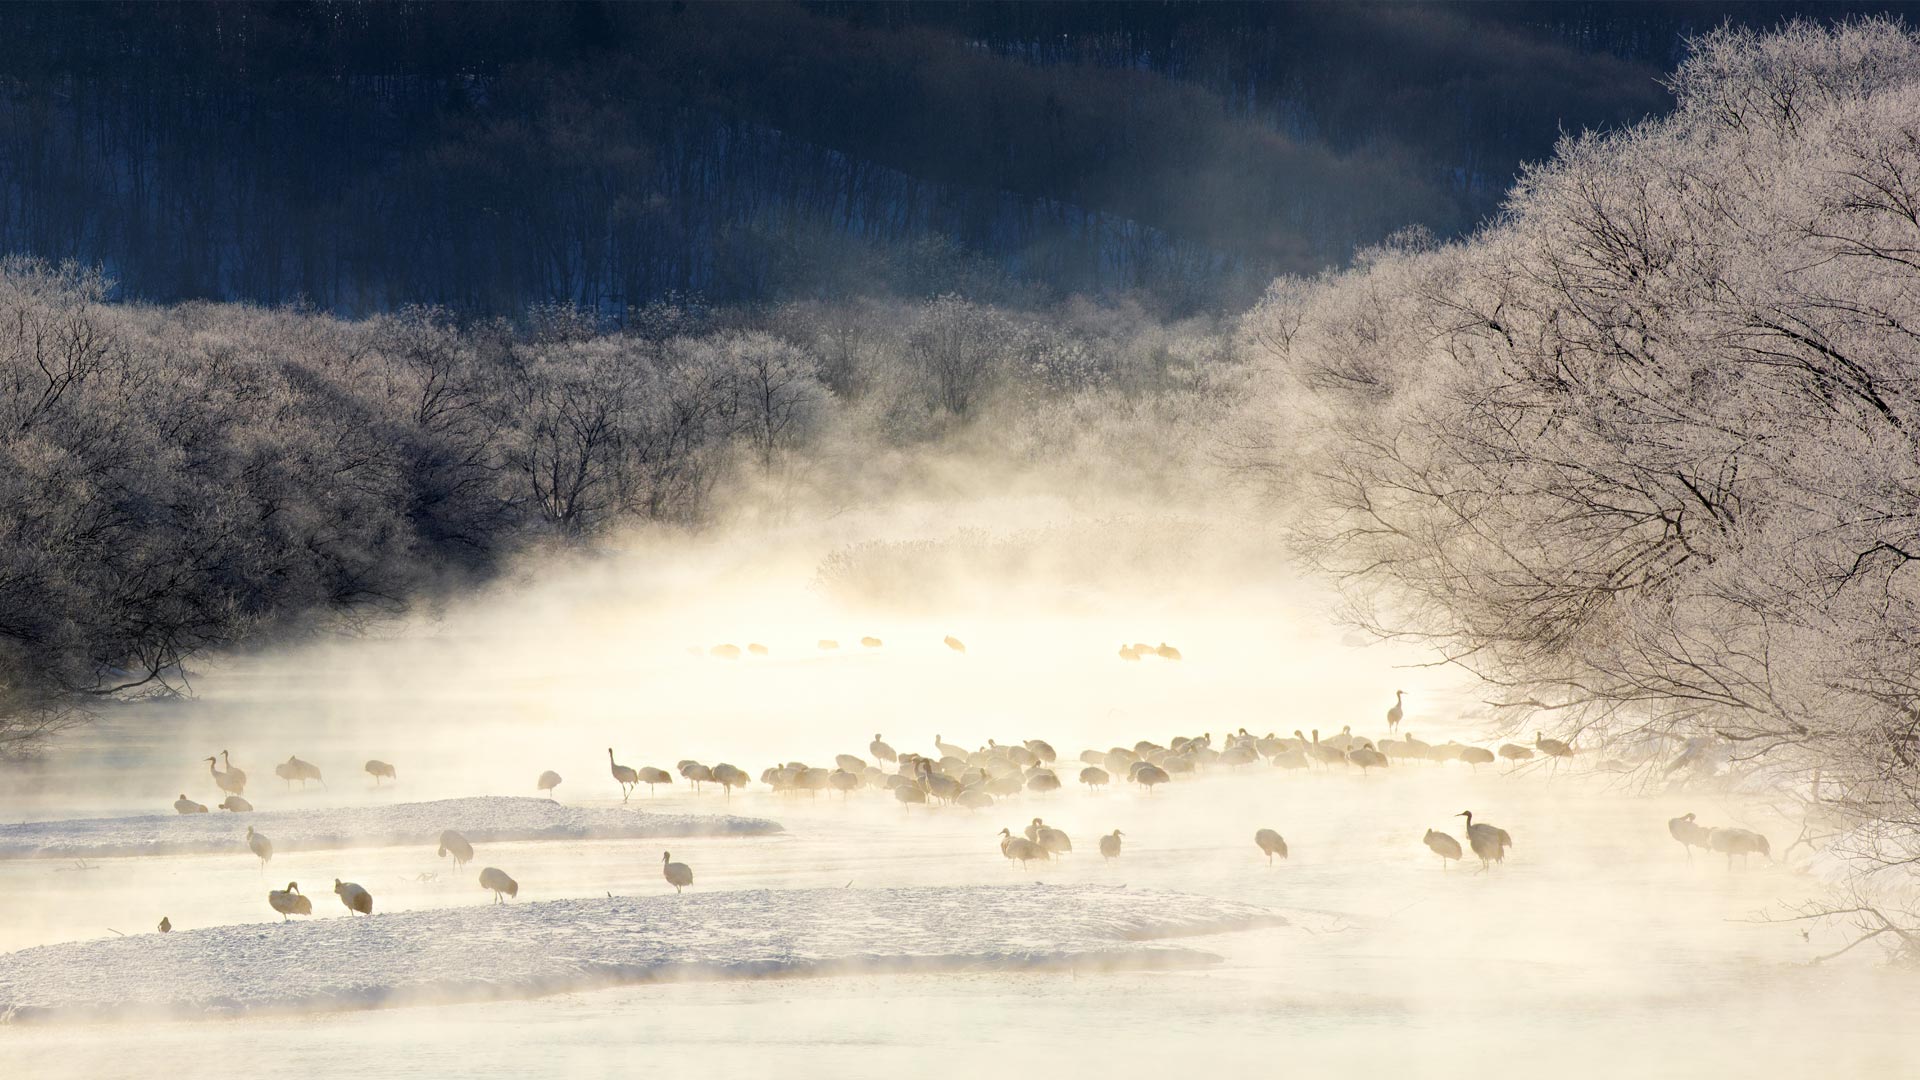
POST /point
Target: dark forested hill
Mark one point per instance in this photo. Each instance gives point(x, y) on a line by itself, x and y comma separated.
point(489, 156)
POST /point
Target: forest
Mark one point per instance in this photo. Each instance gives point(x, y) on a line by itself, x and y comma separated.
point(485, 158)
point(1639, 451)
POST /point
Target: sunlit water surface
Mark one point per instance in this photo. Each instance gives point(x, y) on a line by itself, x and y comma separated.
point(1598, 950)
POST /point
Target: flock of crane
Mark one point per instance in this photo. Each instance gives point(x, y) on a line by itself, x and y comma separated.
point(981, 777)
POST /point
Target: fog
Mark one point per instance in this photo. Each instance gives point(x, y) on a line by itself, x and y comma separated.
point(1598, 946)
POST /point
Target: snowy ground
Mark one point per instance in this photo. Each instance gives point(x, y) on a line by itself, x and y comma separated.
point(482, 820)
point(522, 950)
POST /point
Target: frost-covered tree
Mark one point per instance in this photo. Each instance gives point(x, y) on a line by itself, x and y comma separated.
point(1645, 453)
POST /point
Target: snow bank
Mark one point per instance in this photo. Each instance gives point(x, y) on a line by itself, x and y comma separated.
point(489, 819)
point(548, 947)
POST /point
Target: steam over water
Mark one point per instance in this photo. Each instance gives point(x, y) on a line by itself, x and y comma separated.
point(1598, 950)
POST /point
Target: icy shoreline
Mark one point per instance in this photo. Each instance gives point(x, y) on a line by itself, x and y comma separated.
point(487, 819)
point(486, 952)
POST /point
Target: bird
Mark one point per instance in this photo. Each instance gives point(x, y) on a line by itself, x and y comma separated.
point(696, 772)
point(260, 846)
point(1054, 840)
point(233, 775)
point(1042, 781)
point(869, 642)
point(1443, 845)
point(1271, 843)
point(1020, 849)
point(828, 644)
point(1094, 777)
point(725, 652)
point(185, 805)
point(289, 901)
point(880, 750)
point(1489, 842)
point(909, 794)
point(497, 880)
point(1398, 712)
point(1515, 752)
point(354, 897)
point(678, 874)
point(1149, 776)
point(624, 776)
point(166, 925)
point(651, 776)
point(956, 644)
point(1110, 845)
point(1325, 751)
point(1741, 842)
point(452, 843)
point(294, 769)
point(1552, 747)
point(236, 804)
point(378, 769)
point(1690, 834)
point(226, 781)
point(1167, 652)
point(1366, 757)
point(1128, 652)
point(728, 777)
point(757, 649)
point(1477, 756)
point(948, 749)
point(547, 782)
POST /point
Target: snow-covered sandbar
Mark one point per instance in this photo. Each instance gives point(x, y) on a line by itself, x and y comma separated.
point(534, 949)
point(487, 819)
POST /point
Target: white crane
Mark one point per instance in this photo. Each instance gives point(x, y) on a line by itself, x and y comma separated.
point(652, 776)
point(496, 879)
point(225, 781)
point(184, 805)
point(379, 770)
point(234, 776)
point(678, 874)
point(1552, 747)
point(289, 901)
point(1741, 842)
point(1690, 834)
point(1443, 845)
point(547, 782)
point(1020, 849)
point(624, 776)
point(260, 846)
point(1110, 845)
point(1398, 712)
point(1489, 842)
point(1270, 843)
point(354, 897)
point(880, 750)
point(452, 843)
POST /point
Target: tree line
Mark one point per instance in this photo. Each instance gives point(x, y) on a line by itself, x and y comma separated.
point(179, 478)
point(1644, 455)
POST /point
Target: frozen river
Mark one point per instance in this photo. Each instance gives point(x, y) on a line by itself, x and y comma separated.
point(1598, 950)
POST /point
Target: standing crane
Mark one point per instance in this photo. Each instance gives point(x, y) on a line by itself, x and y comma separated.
point(1271, 843)
point(624, 776)
point(1398, 712)
point(1489, 842)
point(1443, 845)
point(678, 874)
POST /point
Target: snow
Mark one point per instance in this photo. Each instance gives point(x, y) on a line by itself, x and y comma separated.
point(488, 819)
point(525, 950)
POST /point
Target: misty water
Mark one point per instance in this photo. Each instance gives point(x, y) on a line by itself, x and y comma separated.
point(1599, 947)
